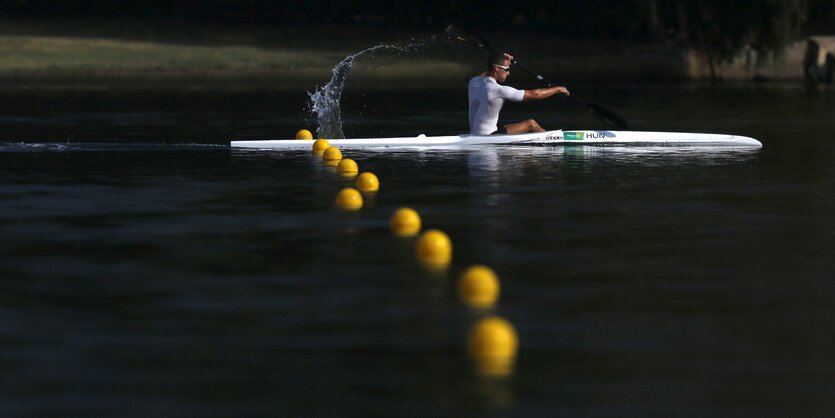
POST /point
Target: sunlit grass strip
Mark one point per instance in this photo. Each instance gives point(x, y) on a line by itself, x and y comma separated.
point(61, 57)
point(35, 53)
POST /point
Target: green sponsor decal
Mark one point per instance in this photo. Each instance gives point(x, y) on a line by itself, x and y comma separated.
point(573, 136)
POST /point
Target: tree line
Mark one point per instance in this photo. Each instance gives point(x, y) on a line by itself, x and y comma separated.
point(720, 27)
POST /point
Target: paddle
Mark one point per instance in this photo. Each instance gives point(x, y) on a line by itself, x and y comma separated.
point(599, 112)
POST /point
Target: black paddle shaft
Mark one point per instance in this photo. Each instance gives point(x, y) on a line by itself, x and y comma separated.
point(600, 112)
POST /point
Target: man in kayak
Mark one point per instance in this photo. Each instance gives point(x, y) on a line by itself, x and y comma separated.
point(487, 97)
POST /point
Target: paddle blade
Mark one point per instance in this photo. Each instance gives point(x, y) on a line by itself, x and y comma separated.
point(608, 116)
point(468, 37)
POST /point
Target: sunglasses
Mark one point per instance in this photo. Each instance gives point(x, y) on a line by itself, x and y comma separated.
point(506, 69)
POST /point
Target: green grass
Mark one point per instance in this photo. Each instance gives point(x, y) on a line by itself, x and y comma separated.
point(108, 54)
point(39, 53)
point(117, 54)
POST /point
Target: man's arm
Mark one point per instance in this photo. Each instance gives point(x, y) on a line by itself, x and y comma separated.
point(539, 94)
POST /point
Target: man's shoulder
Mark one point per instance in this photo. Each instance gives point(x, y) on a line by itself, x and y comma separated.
point(482, 81)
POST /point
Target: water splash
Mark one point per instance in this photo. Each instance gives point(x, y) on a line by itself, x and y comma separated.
point(324, 101)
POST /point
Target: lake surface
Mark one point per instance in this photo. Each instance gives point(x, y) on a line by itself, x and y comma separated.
point(149, 270)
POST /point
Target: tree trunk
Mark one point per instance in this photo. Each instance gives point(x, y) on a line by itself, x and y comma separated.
point(681, 18)
point(652, 17)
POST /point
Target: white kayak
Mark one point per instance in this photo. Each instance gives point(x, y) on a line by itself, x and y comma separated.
point(549, 138)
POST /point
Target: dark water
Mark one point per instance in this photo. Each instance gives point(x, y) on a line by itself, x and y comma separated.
point(148, 270)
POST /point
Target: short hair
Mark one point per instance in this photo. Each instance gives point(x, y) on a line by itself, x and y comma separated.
point(495, 59)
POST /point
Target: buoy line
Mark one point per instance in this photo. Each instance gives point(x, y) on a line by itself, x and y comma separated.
point(492, 342)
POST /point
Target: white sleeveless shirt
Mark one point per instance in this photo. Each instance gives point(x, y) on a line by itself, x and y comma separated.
point(486, 99)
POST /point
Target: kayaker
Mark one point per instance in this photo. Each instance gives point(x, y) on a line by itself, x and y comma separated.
point(487, 96)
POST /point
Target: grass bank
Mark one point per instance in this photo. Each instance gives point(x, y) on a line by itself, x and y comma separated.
point(39, 55)
point(130, 54)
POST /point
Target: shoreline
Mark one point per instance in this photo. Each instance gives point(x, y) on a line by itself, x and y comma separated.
point(106, 56)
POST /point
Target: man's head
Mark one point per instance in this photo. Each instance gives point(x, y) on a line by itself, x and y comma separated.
point(498, 66)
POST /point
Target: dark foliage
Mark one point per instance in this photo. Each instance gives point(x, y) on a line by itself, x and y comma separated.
point(721, 27)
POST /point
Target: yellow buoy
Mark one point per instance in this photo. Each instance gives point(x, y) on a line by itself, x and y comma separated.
point(346, 167)
point(367, 182)
point(493, 338)
point(332, 154)
point(405, 222)
point(493, 367)
point(349, 199)
point(319, 146)
point(304, 134)
point(478, 286)
point(434, 248)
